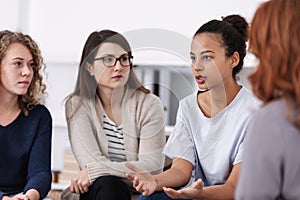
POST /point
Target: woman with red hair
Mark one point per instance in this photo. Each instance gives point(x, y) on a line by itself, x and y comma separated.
point(271, 162)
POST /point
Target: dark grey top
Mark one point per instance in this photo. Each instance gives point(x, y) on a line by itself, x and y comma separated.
point(271, 164)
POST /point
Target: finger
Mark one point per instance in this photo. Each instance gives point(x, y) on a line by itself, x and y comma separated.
point(135, 182)
point(146, 192)
point(169, 192)
point(130, 176)
point(133, 167)
point(140, 187)
point(76, 189)
point(85, 189)
point(198, 184)
point(72, 189)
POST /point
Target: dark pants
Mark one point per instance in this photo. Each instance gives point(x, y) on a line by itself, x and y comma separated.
point(156, 196)
point(107, 188)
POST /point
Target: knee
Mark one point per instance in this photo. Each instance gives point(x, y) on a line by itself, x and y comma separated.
point(109, 182)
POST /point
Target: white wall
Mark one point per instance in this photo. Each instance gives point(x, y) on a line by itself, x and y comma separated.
point(159, 32)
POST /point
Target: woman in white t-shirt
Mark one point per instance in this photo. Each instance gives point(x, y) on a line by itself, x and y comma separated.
point(207, 142)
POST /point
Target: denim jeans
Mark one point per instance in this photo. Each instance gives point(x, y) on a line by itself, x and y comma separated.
point(157, 196)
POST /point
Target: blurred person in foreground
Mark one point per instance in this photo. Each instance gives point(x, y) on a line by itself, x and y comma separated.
point(271, 166)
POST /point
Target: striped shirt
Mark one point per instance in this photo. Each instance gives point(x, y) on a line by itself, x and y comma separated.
point(114, 134)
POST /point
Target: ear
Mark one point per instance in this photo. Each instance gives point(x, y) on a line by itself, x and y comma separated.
point(235, 59)
point(90, 68)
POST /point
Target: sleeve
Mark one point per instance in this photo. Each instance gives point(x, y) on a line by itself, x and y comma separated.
point(151, 137)
point(261, 168)
point(180, 144)
point(240, 145)
point(39, 166)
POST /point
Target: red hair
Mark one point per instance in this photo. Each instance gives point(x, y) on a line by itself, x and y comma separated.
point(275, 41)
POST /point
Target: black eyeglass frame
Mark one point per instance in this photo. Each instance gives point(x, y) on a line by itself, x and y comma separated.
point(116, 60)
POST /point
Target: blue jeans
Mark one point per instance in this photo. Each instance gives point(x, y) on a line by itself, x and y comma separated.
point(157, 196)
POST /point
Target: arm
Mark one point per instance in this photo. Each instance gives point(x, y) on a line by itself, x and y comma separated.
point(39, 167)
point(84, 141)
point(197, 191)
point(178, 175)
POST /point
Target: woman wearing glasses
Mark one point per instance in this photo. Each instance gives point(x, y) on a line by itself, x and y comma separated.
point(112, 119)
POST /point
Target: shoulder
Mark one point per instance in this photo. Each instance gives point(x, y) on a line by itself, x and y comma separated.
point(274, 110)
point(143, 97)
point(38, 114)
point(270, 120)
point(188, 101)
point(76, 101)
point(40, 109)
point(246, 100)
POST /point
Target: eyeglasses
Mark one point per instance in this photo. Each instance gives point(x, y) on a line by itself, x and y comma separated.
point(110, 61)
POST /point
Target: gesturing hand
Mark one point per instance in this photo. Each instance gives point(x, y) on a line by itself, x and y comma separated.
point(142, 181)
point(191, 192)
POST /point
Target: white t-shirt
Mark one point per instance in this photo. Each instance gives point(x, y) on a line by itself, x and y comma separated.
point(212, 145)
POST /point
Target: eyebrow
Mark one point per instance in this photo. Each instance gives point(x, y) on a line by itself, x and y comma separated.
point(203, 52)
point(104, 55)
point(18, 58)
point(207, 51)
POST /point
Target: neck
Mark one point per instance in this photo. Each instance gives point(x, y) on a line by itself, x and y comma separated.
point(111, 97)
point(8, 103)
point(216, 99)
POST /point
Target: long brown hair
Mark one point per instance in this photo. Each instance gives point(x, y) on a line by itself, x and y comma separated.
point(275, 41)
point(86, 85)
point(37, 88)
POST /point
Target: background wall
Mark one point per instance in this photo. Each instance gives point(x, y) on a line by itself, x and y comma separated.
point(159, 32)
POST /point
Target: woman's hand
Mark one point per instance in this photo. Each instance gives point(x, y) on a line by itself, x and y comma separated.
point(81, 182)
point(191, 192)
point(142, 181)
point(31, 194)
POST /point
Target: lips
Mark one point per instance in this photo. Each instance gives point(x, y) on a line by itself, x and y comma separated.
point(200, 79)
point(24, 82)
point(117, 77)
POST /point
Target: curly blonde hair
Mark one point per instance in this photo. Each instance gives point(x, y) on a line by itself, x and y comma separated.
point(37, 88)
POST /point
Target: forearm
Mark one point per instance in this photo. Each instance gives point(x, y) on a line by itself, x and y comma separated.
point(172, 177)
point(218, 192)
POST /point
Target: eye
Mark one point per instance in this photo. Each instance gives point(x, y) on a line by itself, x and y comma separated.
point(108, 59)
point(124, 58)
point(32, 65)
point(205, 57)
point(18, 63)
point(193, 58)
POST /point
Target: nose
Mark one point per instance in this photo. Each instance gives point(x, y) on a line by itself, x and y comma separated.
point(198, 66)
point(118, 66)
point(26, 70)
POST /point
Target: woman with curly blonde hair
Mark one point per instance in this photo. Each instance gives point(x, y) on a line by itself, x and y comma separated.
point(271, 164)
point(25, 124)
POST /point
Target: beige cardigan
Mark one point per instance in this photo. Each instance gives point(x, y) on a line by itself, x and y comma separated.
point(143, 128)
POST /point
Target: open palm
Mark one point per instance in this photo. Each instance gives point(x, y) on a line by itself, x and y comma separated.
point(191, 192)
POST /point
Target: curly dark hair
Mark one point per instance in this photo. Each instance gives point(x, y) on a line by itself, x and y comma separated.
point(37, 88)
